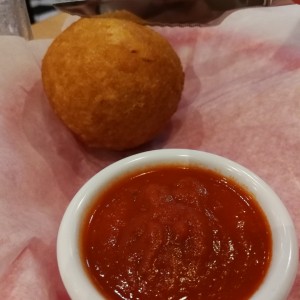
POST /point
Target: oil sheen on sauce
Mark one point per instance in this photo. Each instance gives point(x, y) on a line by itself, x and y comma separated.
point(176, 233)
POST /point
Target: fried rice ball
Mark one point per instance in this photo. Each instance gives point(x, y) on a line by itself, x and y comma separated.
point(113, 82)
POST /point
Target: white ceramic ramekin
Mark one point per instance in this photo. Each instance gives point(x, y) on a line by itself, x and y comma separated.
point(284, 263)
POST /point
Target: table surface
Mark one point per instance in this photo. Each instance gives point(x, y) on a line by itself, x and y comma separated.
point(50, 27)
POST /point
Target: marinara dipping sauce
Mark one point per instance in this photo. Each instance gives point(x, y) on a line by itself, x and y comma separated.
point(172, 232)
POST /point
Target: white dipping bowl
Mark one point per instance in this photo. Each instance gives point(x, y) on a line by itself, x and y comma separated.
point(284, 263)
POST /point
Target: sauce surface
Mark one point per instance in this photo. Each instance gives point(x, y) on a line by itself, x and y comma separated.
point(176, 233)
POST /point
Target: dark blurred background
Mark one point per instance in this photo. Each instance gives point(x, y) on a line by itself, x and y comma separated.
point(40, 10)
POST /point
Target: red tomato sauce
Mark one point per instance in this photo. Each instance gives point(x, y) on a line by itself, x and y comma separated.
point(176, 233)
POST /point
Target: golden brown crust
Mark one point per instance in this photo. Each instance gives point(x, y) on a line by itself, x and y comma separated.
point(113, 82)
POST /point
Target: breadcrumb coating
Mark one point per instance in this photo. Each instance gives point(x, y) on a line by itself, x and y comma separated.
point(113, 82)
